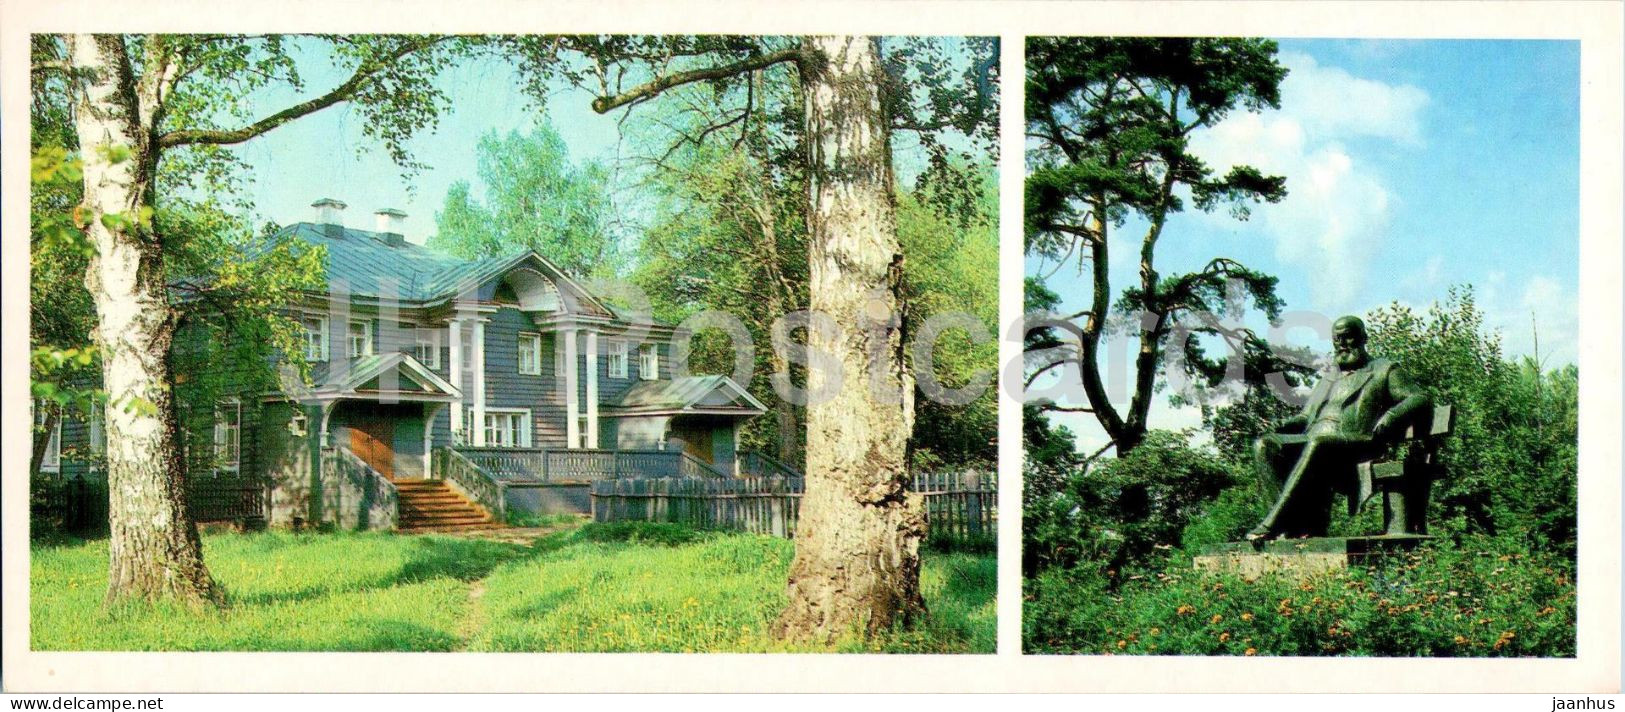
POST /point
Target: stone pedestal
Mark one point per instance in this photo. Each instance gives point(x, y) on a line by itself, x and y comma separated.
point(1301, 557)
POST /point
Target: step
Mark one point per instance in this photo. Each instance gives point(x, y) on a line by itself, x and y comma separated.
point(433, 529)
point(442, 513)
point(436, 499)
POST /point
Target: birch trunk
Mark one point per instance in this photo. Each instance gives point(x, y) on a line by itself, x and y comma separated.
point(857, 565)
point(153, 552)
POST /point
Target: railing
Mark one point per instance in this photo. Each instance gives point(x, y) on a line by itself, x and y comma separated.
point(584, 465)
point(487, 491)
point(760, 464)
point(508, 463)
point(959, 507)
point(690, 466)
point(355, 496)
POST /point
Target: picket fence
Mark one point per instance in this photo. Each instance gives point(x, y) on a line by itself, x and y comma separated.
point(959, 506)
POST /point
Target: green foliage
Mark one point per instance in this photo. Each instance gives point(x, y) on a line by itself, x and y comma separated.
point(581, 590)
point(1485, 597)
point(1109, 123)
point(536, 199)
point(1511, 466)
point(952, 267)
point(1124, 510)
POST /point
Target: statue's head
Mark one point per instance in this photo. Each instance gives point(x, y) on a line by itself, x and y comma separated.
point(1348, 343)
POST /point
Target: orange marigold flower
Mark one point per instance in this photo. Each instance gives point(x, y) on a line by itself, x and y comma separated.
point(1461, 640)
point(1246, 616)
point(1250, 651)
point(1184, 609)
point(1122, 644)
point(1224, 637)
point(1215, 619)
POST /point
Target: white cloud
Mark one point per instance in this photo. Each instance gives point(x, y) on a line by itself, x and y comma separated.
point(1337, 207)
point(1330, 101)
point(1546, 307)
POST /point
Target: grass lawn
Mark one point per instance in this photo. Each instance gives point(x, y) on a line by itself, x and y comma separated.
point(650, 588)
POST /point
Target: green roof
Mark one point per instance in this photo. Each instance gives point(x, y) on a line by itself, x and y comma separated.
point(686, 392)
point(364, 262)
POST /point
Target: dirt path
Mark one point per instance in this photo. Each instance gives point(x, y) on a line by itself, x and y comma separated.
point(474, 620)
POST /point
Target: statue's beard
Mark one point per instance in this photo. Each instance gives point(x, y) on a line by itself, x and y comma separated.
point(1350, 359)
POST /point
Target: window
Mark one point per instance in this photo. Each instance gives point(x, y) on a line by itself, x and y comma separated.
point(583, 424)
point(530, 353)
point(361, 338)
point(299, 425)
point(428, 347)
point(617, 359)
point(228, 421)
point(98, 438)
point(505, 428)
point(52, 459)
point(648, 362)
point(315, 337)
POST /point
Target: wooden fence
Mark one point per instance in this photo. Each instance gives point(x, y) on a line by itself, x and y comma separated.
point(959, 506)
point(237, 498)
point(80, 505)
point(69, 504)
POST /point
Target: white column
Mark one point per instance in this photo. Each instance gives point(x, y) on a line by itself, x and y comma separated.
point(479, 383)
point(592, 389)
point(572, 408)
point(454, 336)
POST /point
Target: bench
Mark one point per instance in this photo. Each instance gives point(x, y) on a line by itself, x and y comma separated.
point(1404, 483)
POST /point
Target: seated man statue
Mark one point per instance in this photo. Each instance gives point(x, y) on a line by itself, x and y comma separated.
point(1352, 415)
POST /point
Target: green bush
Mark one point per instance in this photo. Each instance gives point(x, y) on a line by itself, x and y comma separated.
point(1125, 509)
point(1485, 597)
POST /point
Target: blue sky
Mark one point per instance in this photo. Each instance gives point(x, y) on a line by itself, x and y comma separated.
point(1411, 166)
point(327, 155)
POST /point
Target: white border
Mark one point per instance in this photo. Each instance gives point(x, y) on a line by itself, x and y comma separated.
point(1596, 669)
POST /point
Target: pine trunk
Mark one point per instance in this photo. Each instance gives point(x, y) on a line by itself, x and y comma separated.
point(857, 566)
point(154, 551)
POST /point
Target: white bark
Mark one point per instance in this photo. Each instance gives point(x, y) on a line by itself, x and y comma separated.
point(857, 542)
point(153, 550)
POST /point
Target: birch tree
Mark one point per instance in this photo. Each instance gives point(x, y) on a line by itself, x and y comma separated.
point(137, 102)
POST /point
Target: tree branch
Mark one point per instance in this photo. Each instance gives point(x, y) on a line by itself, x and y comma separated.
point(342, 92)
point(648, 90)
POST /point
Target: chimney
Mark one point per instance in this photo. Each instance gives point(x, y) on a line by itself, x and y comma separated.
point(389, 226)
point(330, 213)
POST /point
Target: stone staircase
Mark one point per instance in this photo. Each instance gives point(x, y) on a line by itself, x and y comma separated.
point(433, 506)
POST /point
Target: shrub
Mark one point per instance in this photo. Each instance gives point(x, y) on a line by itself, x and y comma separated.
point(1485, 597)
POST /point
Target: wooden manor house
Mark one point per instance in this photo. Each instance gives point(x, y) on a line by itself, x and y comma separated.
point(445, 393)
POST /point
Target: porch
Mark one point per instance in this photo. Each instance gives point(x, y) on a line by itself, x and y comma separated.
point(555, 481)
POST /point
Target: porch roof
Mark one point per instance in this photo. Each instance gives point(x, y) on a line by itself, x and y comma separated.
point(363, 378)
point(718, 395)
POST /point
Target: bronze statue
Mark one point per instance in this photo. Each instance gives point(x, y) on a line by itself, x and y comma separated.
point(1352, 416)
